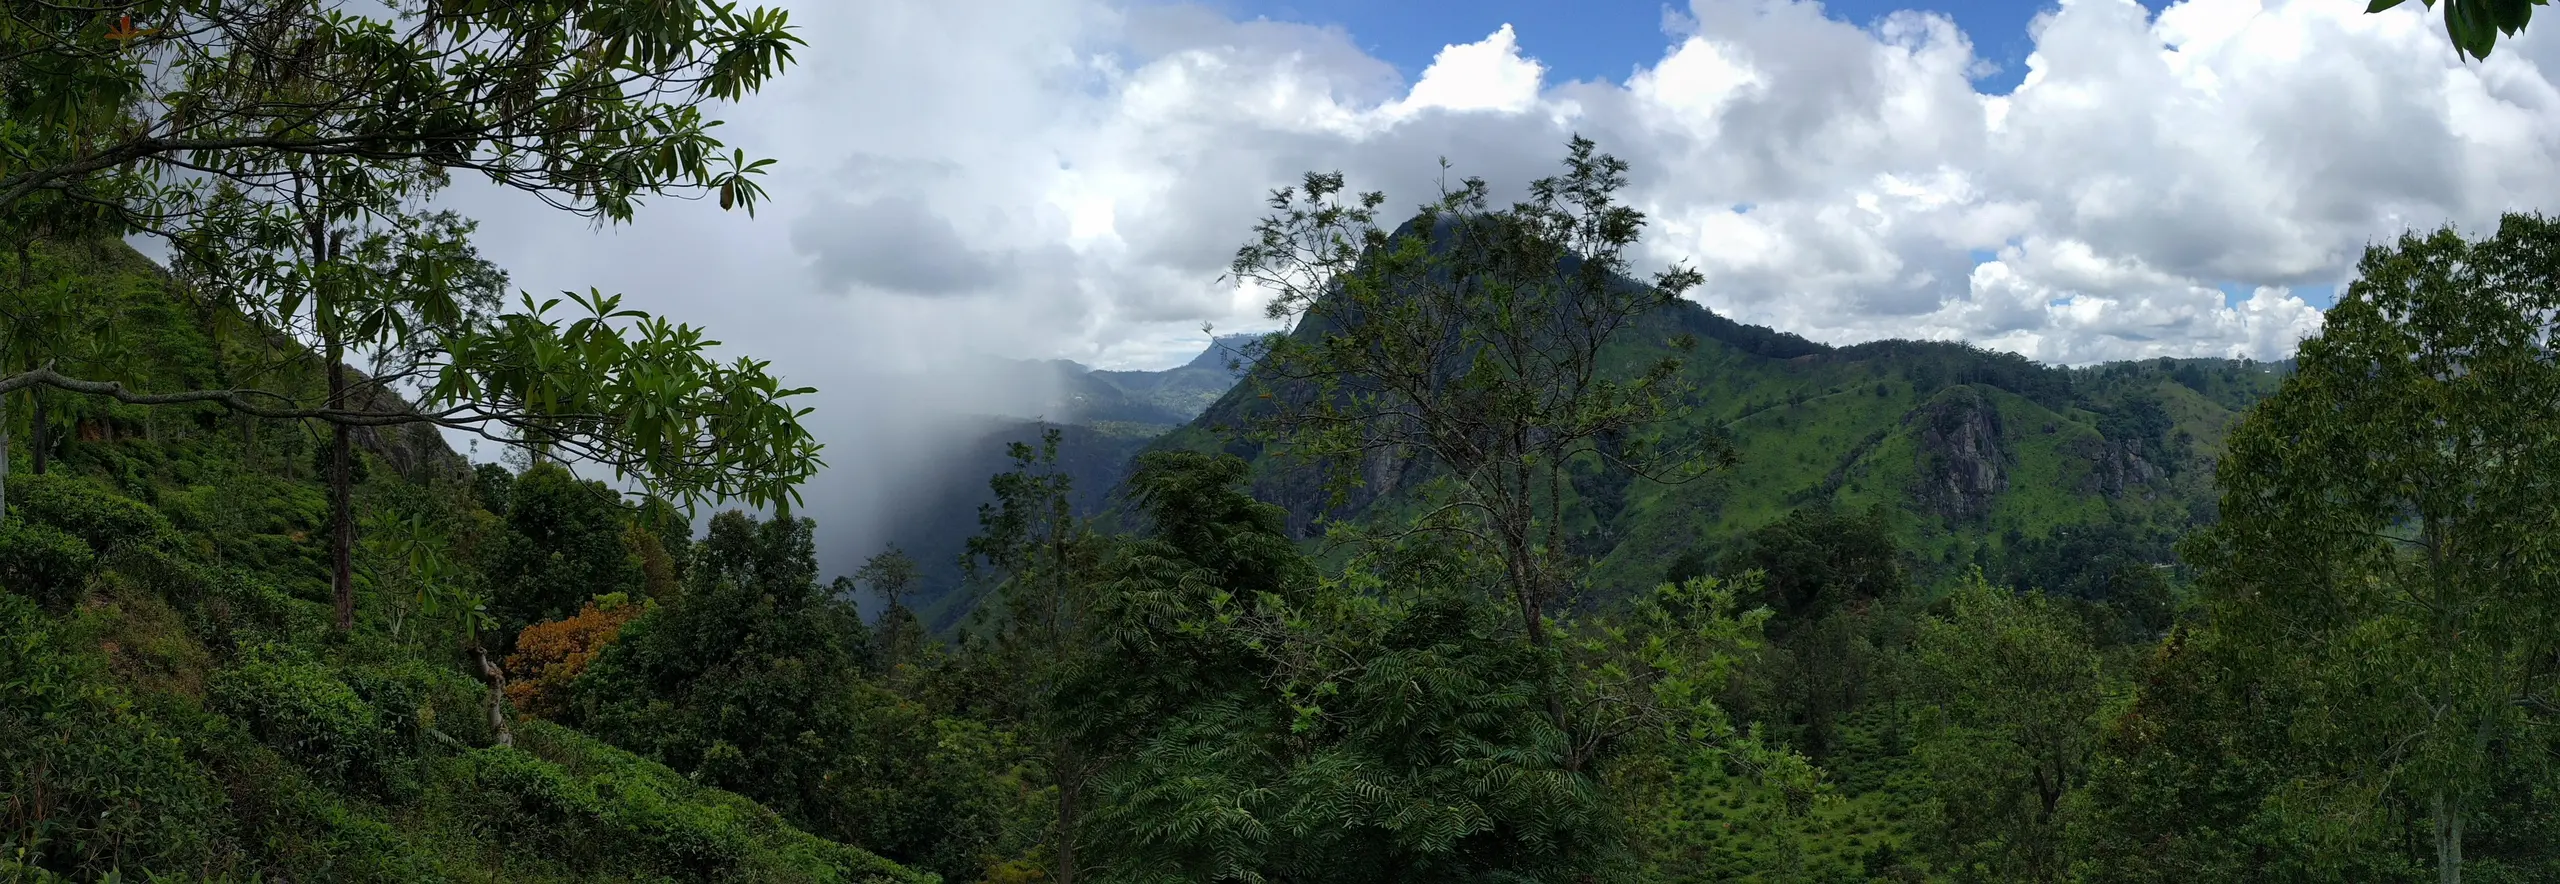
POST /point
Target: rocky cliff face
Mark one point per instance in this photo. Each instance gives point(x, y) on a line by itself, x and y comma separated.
point(2122, 468)
point(1963, 465)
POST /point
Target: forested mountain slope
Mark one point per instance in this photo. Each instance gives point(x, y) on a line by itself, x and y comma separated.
point(1982, 458)
point(174, 702)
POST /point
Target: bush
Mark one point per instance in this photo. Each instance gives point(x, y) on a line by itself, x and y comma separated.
point(42, 562)
point(294, 830)
point(597, 807)
point(90, 784)
point(414, 700)
point(105, 520)
point(302, 710)
point(241, 609)
point(550, 655)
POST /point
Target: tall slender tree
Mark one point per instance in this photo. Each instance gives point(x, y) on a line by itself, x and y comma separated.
point(1044, 560)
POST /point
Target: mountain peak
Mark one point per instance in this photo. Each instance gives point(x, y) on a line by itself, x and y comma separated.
point(1222, 349)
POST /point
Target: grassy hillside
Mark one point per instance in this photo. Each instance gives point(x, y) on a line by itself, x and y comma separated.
point(174, 704)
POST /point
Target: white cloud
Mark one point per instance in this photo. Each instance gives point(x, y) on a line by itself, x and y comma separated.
point(1489, 76)
point(1068, 177)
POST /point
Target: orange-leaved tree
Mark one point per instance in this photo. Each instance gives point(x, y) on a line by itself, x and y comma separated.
point(550, 655)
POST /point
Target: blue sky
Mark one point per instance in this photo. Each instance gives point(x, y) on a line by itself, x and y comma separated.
point(1589, 39)
point(1609, 39)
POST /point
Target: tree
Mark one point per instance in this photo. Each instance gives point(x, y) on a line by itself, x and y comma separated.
point(742, 682)
point(1044, 558)
point(297, 125)
point(1817, 560)
point(1261, 722)
point(1677, 647)
point(2388, 551)
point(2198, 778)
point(890, 574)
point(589, 106)
point(40, 323)
point(562, 545)
point(2012, 697)
point(1478, 341)
point(357, 273)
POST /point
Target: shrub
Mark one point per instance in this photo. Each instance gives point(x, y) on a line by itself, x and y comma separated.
point(597, 807)
point(102, 518)
point(87, 783)
point(240, 609)
point(414, 700)
point(305, 712)
point(551, 655)
point(43, 562)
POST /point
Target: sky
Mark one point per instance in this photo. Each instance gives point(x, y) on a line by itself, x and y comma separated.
point(1605, 39)
point(2082, 182)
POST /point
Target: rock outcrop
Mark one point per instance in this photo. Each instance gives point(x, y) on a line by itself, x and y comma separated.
point(418, 452)
point(1963, 464)
point(2120, 468)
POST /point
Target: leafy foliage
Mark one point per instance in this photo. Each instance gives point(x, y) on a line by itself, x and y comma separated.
point(550, 656)
point(2387, 544)
point(94, 783)
point(2013, 698)
point(177, 706)
point(2474, 24)
point(563, 545)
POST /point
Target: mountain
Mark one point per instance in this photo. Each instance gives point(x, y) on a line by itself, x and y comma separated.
point(1104, 418)
point(1190, 388)
point(1165, 398)
point(1978, 454)
point(1982, 458)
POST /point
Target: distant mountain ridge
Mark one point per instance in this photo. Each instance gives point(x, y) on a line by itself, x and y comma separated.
point(1105, 417)
point(1164, 398)
point(1981, 455)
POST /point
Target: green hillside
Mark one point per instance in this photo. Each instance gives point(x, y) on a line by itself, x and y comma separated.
point(1975, 452)
point(174, 701)
point(1979, 454)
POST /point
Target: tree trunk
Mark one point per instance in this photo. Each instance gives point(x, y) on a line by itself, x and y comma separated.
point(1533, 618)
point(40, 437)
point(342, 533)
point(2448, 814)
point(497, 679)
point(1069, 797)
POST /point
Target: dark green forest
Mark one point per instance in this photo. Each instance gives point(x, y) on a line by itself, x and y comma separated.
point(1506, 562)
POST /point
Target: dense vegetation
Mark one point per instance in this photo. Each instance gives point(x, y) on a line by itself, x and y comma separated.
point(1504, 564)
point(1192, 690)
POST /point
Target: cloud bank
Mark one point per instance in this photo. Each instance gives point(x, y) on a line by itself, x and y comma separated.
point(1067, 178)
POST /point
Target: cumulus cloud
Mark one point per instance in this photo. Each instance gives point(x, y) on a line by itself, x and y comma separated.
point(1066, 178)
